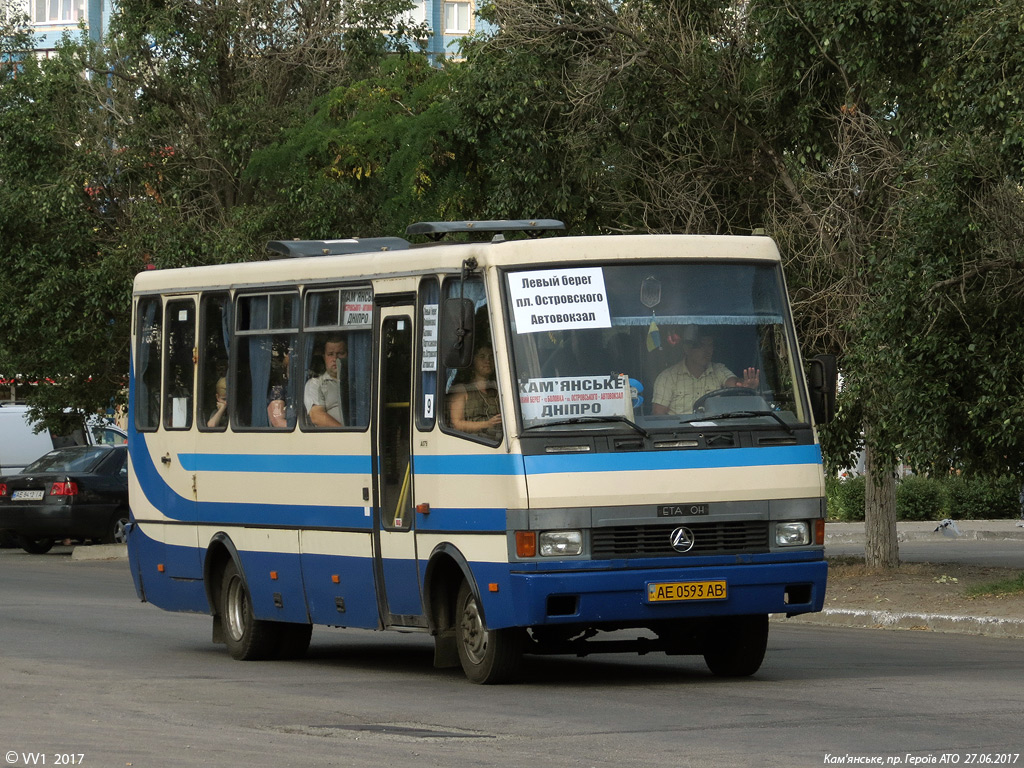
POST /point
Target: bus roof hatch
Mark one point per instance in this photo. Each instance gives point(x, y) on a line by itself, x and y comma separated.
point(280, 249)
point(438, 229)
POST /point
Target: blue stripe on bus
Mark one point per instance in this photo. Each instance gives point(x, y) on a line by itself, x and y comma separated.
point(317, 464)
point(692, 459)
point(460, 464)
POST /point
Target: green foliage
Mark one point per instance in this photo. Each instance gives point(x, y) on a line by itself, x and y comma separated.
point(978, 498)
point(1012, 586)
point(846, 499)
point(920, 498)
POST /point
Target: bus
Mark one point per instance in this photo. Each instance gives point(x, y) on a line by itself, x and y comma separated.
point(511, 439)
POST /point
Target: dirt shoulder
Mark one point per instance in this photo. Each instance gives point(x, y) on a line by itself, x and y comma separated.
point(920, 588)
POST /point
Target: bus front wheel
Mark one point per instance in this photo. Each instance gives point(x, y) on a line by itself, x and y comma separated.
point(736, 645)
point(247, 638)
point(487, 656)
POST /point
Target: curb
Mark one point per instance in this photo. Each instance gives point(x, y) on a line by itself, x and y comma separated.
point(932, 622)
point(100, 552)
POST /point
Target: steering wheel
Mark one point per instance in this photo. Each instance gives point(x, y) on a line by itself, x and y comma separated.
point(701, 401)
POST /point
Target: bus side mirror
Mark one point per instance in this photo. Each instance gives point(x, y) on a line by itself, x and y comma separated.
point(457, 332)
point(824, 375)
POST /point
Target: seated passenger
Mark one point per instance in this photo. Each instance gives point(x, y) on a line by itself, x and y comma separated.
point(677, 388)
point(222, 403)
point(473, 403)
point(322, 395)
point(280, 411)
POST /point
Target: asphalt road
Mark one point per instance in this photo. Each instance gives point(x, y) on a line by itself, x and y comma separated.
point(90, 676)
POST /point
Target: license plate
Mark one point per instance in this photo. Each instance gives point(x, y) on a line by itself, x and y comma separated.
point(682, 510)
point(675, 591)
point(27, 496)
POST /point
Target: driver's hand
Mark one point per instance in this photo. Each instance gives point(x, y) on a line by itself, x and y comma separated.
point(751, 378)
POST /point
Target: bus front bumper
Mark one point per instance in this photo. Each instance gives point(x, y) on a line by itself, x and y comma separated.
point(638, 597)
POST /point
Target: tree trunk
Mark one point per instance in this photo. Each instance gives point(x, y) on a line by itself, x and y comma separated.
point(881, 550)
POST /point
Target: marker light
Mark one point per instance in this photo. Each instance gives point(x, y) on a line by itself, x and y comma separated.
point(526, 544)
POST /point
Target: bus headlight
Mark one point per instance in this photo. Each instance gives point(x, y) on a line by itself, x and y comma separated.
point(795, 534)
point(560, 543)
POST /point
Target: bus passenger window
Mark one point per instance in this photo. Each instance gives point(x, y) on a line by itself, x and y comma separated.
point(214, 335)
point(267, 338)
point(179, 368)
point(472, 404)
point(337, 353)
point(147, 364)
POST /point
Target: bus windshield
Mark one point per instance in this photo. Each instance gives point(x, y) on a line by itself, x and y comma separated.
point(655, 344)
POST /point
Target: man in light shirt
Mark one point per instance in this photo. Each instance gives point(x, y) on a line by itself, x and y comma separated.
point(677, 388)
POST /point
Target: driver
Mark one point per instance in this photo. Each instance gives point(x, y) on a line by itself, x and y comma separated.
point(677, 388)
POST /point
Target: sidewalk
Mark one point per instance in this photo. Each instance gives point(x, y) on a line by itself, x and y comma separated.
point(853, 533)
point(920, 616)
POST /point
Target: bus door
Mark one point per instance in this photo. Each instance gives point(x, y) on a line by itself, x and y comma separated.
point(175, 442)
point(395, 550)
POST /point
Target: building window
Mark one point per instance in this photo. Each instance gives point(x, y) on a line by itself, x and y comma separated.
point(457, 18)
point(51, 11)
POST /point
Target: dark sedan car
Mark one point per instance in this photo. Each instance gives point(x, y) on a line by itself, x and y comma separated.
point(79, 492)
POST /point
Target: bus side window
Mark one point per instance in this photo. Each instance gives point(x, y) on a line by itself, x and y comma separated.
point(147, 364)
point(266, 338)
point(472, 406)
point(337, 351)
point(179, 369)
point(214, 341)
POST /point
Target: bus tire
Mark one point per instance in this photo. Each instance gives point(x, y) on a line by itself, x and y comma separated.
point(247, 638)
point(736, 645)
point(488, 656)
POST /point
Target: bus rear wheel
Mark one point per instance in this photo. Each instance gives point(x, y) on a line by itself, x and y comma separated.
point(736, 645)
point(247, 638)
point(488, 656)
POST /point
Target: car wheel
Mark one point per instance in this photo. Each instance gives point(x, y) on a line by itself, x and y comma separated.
point(35, 546)
point(247, 638)
point(487, 656)
point(116, 529)
point(736, 645)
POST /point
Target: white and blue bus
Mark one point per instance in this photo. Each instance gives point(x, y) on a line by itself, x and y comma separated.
point(523, 444)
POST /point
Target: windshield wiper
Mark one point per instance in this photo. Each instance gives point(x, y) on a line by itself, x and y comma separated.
point(590, 420)
point(748, 414)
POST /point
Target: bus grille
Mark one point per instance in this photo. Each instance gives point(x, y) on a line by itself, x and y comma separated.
point(653, 540)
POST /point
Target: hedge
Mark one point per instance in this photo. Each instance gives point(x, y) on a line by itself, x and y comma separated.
point(925, 498)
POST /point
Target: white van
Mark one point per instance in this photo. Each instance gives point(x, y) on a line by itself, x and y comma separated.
point(20, 444)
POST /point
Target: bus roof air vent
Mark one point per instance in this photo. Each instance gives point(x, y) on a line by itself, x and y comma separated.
point(435, 230)
point(282, 249)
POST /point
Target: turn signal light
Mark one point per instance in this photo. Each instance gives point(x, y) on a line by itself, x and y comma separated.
point(526, 543)
point(819, 532)
point(69, 488)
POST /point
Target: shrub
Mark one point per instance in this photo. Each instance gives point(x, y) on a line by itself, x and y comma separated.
point(979, 498)
point(920, 498)
point(846, 499)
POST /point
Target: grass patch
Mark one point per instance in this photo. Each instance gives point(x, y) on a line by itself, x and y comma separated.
point(1012, 586)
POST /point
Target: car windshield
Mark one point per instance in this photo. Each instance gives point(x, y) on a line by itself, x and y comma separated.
point(77, 459)
point(658, 345)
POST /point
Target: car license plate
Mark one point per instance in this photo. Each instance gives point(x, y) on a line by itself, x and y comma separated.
point(682, 510)
point(675, 591)
point(27, 496)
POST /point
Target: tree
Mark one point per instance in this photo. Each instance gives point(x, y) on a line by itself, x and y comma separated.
point(134, 153)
